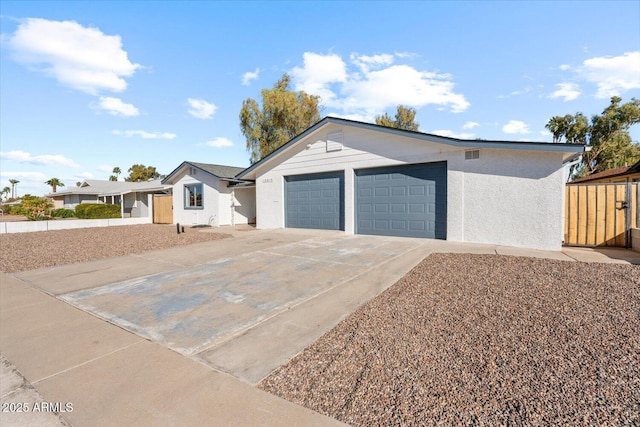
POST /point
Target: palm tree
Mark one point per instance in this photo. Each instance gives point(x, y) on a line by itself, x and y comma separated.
point(13, 182)
point(54, 183)
point(116, 172)
point(5, 192)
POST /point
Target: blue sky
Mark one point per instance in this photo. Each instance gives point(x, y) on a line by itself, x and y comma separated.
point(86, 86)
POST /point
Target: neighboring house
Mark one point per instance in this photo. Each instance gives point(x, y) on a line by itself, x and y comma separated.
point(616, 175)
point(206, 194)
point(135, 198)
point(368, 179)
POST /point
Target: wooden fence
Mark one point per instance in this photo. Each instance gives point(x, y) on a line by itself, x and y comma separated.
point(601, 214)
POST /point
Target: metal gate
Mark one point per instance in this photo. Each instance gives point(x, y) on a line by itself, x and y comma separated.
point(601, 214)
point(162, 209)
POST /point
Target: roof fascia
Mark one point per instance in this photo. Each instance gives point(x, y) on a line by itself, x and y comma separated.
point(462, 143)
point(176, 171)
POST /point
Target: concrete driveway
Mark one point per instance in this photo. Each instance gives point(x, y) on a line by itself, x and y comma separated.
point(228, 303)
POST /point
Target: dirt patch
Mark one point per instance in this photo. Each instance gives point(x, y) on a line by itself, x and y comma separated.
point(28, 251)
point(481, 340)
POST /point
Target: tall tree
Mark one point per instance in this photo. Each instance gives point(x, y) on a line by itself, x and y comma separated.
point(116, 172)
point(283, 115)
point(13, 182)
point(54, 183)
point(5, 192)
point(405, 119)
point(607, 134)
point(141, 173)
point(113, 178)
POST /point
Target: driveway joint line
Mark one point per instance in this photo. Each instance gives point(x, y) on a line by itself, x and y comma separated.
point(307, 258)
point(286, 308)
point(87, 362)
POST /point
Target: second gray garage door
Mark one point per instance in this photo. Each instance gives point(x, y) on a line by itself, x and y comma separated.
point(406, 201)
point(315, 201)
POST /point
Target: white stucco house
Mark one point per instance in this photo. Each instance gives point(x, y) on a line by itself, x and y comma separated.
point(135, 198)
point(208, 194)
point(368, 179)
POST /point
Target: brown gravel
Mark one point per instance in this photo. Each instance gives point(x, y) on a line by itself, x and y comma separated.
point(28, 251)
point(481, 340)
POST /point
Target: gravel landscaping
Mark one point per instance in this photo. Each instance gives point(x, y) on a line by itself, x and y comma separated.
point(481, 340)
point(28, 251)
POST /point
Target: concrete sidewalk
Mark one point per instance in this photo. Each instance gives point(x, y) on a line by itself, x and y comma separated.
point(114, 377)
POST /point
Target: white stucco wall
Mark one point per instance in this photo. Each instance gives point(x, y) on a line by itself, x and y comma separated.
point(244, 205)
point(506, 197)
point(209, 214)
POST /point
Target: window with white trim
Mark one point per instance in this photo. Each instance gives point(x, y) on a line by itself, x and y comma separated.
point(193, 196)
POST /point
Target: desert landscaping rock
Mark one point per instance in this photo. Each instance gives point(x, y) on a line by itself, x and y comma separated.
point(28, 251)
point(481, 340)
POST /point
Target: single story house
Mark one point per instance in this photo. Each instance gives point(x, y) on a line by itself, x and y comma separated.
point(135, 198)
point(208, 194)
point(368, 179)
point(617, 175)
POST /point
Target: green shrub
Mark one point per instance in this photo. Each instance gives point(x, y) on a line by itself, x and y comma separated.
point(63, 213)
point(97, 211)
point(6, 209)
point(34, 208)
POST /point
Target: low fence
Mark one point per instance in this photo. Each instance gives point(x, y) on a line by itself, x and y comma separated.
point(66, 224)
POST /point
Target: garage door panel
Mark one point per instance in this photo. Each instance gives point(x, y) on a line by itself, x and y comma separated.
point(407, 200)
point(315, 201)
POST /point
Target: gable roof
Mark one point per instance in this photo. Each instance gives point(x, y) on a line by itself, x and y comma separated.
point(610, 173)
point(225, 173)
point(572, 150)
point(111, 188)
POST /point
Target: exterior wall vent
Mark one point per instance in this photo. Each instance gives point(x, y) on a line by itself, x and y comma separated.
point(334, 141)
point(472, 154)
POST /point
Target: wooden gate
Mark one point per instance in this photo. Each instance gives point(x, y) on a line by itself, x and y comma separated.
point(162, 209)
point(600, 214)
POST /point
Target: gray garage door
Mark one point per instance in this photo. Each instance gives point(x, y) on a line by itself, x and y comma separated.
point(315, 201)
point(407, 201)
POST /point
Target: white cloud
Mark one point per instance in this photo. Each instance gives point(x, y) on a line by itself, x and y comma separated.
point(369, 85)
point(566, 91)
point(116, 107)
point(470, 125)
point(79, 57)
point(84, 175)
point(44, 159)
point(249, 76)
point(516, 126)
point(613, 74)
point(32, 176)
point(219, 142)
point(452, 134)
point(144, 134)
point(201, 109)
point(365, 63)
point(565, 67)
point(318, 72)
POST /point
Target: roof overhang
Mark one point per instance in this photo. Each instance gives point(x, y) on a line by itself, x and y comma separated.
point(568, 150)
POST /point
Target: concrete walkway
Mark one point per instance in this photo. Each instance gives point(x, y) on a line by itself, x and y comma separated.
point(112, 376)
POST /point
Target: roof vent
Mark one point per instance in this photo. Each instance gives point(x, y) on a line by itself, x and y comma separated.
point(472, 154)
point(334, 141)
